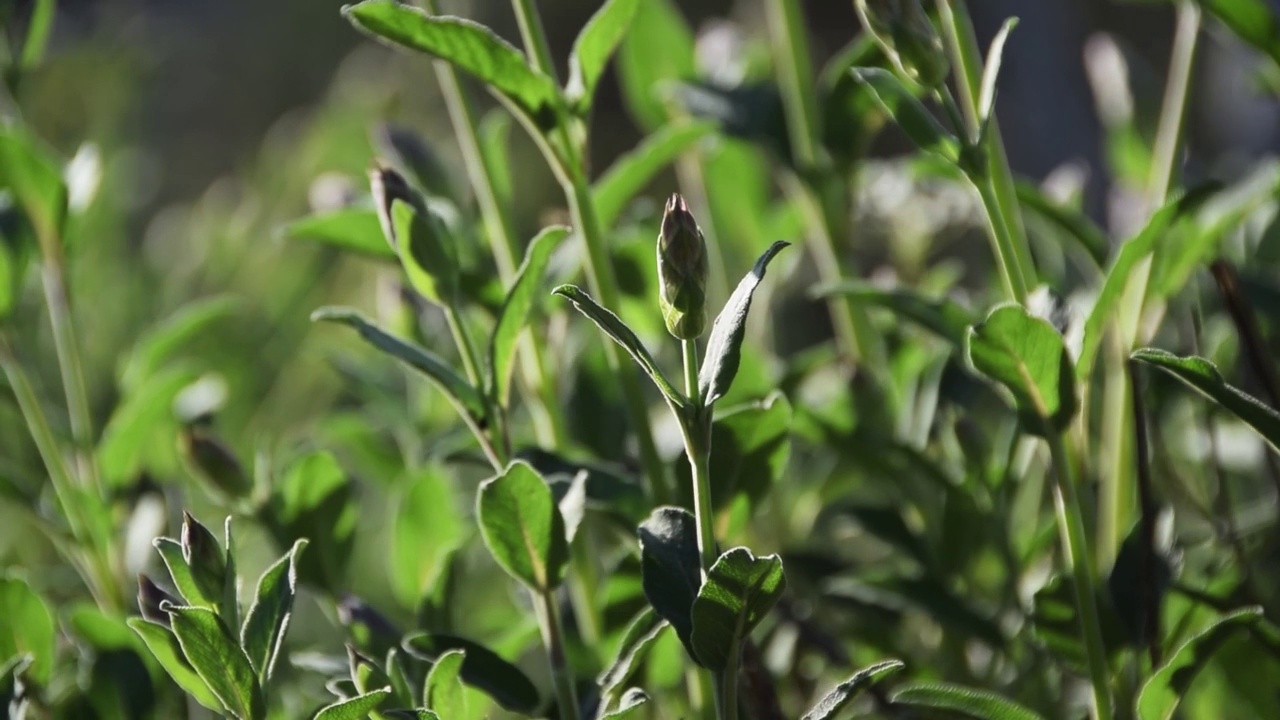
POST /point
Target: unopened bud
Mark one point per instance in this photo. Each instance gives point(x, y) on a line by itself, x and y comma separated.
point(682, 271)
point(212, 462)
point(905, 34)
point(409, 224)
point(149, 598)
point(205, 557)
point(387, 186)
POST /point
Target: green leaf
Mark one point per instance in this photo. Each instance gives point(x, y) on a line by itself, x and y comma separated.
point(494, 138)
point(632, 171)
point(1253, 21)
point(899, 103)
point(515, 311)
point(631, 703)
point(670, 568)
point(38, 30)
point(991, 71)
point(613, 326)
point(739, 591)
point(212, 651)
point(967, 702)
point(355, 229)
point(443, 692)
point(9, 280)
point(469, 46)
point(264, 628)
point(1075, 224)
point(140, 423)
point(174, 337)
point(593, 48)
point(164, 647)
point(410, 715)
point(658, 49)
point(523, 528)
point(455, 387)
point(1162, 692)
point(35, 178)
point(1027, 355)
point(356, 708)
point(1204, 377)
point(27, 627)
point(425, 533)
point(482, 669)
point(845, 692)
point(1131, 253)
point(942, 316)
point(724, 347)
point(636, 641)
point(313, 499)
point(171, 553)
point(426, 251)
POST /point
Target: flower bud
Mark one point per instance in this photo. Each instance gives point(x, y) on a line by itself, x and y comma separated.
point(905, 34)
point(682, 271)
point(418, 234)
point(205, 557)
point(149, 598)
point(211, 461)
point(388, 186)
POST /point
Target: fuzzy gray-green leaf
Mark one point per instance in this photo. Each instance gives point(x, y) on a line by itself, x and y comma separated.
point(268, 618)
point(523, 528)
point(724, 347)
point(739, 591)
point(213, 652)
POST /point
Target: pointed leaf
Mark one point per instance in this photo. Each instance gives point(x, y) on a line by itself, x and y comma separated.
point(164, 647)
point(898, 102)
point(469, 46)
point(523, 527)
point(1161, 694)
point(845, 692)
point(636, 641)
point(443, 692)
point(739, 591)
point(356, 708)
point(355, 229)
point(593, 48)
point(268, 620)
point(212, 651)
point(670, 568)
point(454, 386)
point(1204, 377)
point(482, 669)
point(629, 706)
point(942, 316)
point(991, 71)
point(26, 628)
point(425, 247)
point(724, 348)
point(613, 326)
point(1027, 355)
point(35, 179)
point(516, 309)
point(171, 552)
point(632, 171)
point(657, 50)
point(963, 701)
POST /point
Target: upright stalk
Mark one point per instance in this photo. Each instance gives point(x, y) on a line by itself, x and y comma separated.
point(68, 351)
point(571, 171)
point(697, 437)
point(552, 636)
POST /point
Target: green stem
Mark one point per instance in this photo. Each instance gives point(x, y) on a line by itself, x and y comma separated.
point(1076, 553)
point(728, 698)
point(827, 205)
point(68, 352)
point(1173, 110)
point(697, 439)
point(465, 348)
point(967, 61)
point(553, 638)
point(1001, 242)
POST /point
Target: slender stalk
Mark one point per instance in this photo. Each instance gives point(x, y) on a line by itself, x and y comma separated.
point(1075, 550)
point(1000, 198)
point(826, 205)
point(1150, 601)
point(568, 162)
point(1173, 110)
point(1002, 243)
point(697, 439)
point(68, 351)
point(729, 685)
point(552, 636)
point(463, 341)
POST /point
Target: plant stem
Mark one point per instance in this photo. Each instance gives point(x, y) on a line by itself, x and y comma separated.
point(1173, 109)
point(697, 439)
point(549, 614)
point(571, 171)
point(463, 341)
point(1075, 549)
point(728, 699)
point(826, 206)
point(1003, 201)
point(68, 352)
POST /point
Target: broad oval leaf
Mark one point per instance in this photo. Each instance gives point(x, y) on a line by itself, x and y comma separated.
point(613, 326)
point(356, 708)
point(212, 651)
point(632, 171)
point(355, 229)
point(443, 693)
point(523, 527)
point(426, 530)
point(467, 45)
point(27, 627)
point(845, 692)
point(670, 568)
point(963, 701)
point(464, 396)
point(514, 314)
point(739, 591)
point(165, 649)
point(1162, 692)
point(593, 48)
point(1204, 377)
point(1027, 355)
point(482, 669)
point(724, 347)
point(898, 102)
point(265, 626)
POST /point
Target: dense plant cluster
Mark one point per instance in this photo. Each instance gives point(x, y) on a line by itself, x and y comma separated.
point(721, 478)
